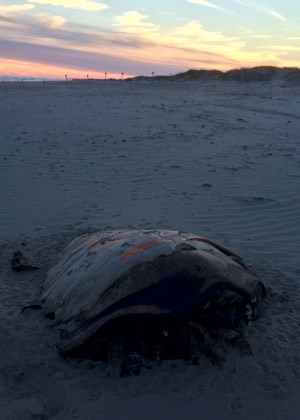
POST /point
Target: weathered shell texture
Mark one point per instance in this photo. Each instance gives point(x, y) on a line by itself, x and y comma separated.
point(109, 275)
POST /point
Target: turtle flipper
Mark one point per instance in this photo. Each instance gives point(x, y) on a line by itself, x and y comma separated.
point(242, 345)
point(125, 353)
point(203, 344)
point(115, 353)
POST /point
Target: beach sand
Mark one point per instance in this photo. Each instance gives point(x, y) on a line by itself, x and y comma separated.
point(218, 159)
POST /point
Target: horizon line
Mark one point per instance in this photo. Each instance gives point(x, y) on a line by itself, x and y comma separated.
point(153, 75)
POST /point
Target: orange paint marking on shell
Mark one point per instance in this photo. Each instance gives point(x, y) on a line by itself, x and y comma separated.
point(139, 248)
point(95, 244)
point(79, 240)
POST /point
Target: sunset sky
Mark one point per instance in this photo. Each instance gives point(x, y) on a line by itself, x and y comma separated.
point(51, 38)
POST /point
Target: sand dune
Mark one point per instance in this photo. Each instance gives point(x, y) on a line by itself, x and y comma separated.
point(218, 159)
point(243, 74)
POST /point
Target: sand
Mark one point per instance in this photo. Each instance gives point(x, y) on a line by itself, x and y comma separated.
point(219, 159)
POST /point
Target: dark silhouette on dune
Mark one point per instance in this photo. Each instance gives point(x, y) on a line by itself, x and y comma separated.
point(254, 74)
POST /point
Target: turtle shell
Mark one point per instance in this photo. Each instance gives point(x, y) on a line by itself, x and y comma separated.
point(112, 275)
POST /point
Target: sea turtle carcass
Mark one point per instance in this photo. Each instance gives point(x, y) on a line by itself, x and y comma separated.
point(128, 297)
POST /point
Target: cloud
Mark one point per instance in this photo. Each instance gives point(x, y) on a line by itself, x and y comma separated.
point(50, 21)
point(73, 4)
point(14, 8)
point(207, 4)
point(276, 15)
point(194, 34)
point(261, 36)
point(283, 48)
point(134, 21)
point(260, 8)
point(44, 28)
point(195, 37)
point(171, 52)
point(188, 43)
point(132, 44)
point(77, 59)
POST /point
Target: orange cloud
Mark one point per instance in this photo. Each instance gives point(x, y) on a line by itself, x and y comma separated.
point(20, 68)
